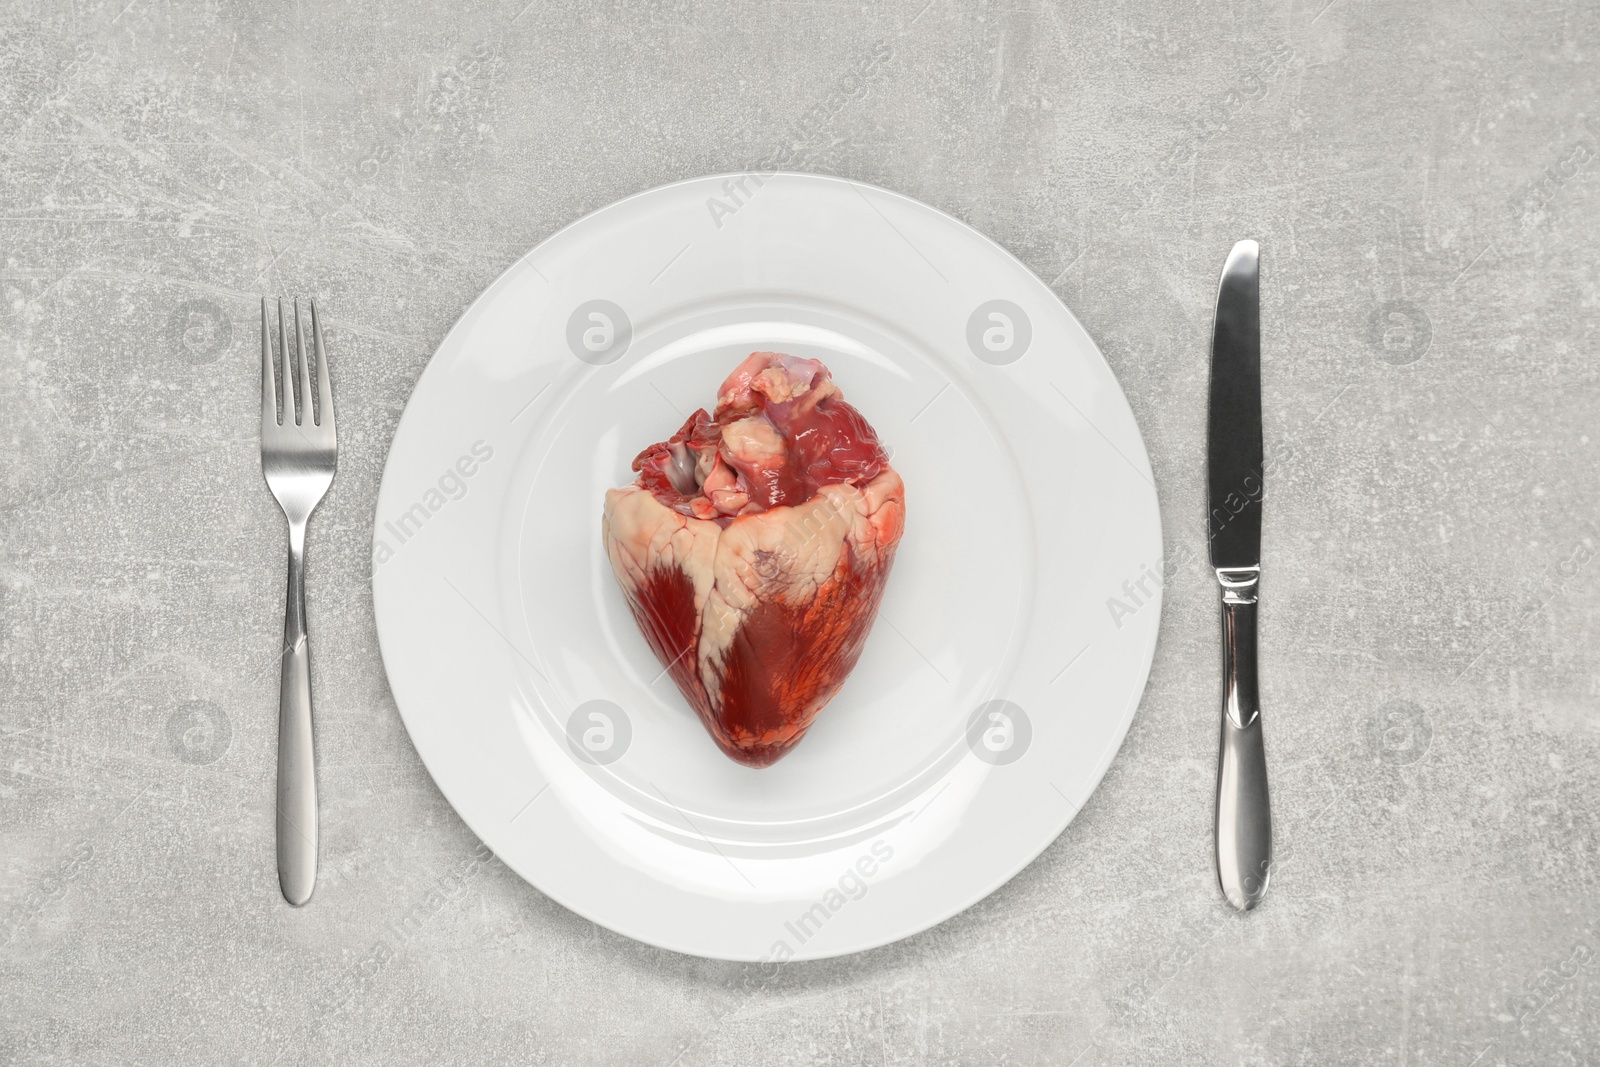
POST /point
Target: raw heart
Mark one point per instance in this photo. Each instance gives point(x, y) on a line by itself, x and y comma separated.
point(753, 550)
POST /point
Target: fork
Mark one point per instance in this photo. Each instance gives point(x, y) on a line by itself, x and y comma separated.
point(298, 458)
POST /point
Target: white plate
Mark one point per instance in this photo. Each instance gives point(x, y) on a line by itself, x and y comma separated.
point(1029, 506)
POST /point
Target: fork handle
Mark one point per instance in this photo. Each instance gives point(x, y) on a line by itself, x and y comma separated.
point(297, 774)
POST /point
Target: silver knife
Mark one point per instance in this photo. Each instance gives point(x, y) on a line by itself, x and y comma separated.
point(1235, 488)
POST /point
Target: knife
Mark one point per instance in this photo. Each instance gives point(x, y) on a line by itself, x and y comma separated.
point(1235, 488)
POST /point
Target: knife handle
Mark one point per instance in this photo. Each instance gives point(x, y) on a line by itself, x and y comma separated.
point(1244, 811)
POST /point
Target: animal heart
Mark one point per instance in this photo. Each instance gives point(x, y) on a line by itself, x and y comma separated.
point(753, 550)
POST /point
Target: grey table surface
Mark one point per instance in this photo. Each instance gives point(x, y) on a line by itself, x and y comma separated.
point(1425, 183)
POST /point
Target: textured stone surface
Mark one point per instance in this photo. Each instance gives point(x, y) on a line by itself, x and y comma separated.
point(1425, 180)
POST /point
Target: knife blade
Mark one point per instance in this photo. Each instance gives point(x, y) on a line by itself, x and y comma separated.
point(1234, 430)
point(1235, 489)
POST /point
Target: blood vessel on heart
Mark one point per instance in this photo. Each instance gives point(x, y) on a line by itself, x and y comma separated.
point(753, 549)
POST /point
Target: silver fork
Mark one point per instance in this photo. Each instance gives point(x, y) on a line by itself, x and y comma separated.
point(298, 457)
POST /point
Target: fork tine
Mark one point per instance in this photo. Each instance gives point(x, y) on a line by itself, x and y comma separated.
point(324, 385)
point(308, 415)
point(269, 383)
point(287, 366)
